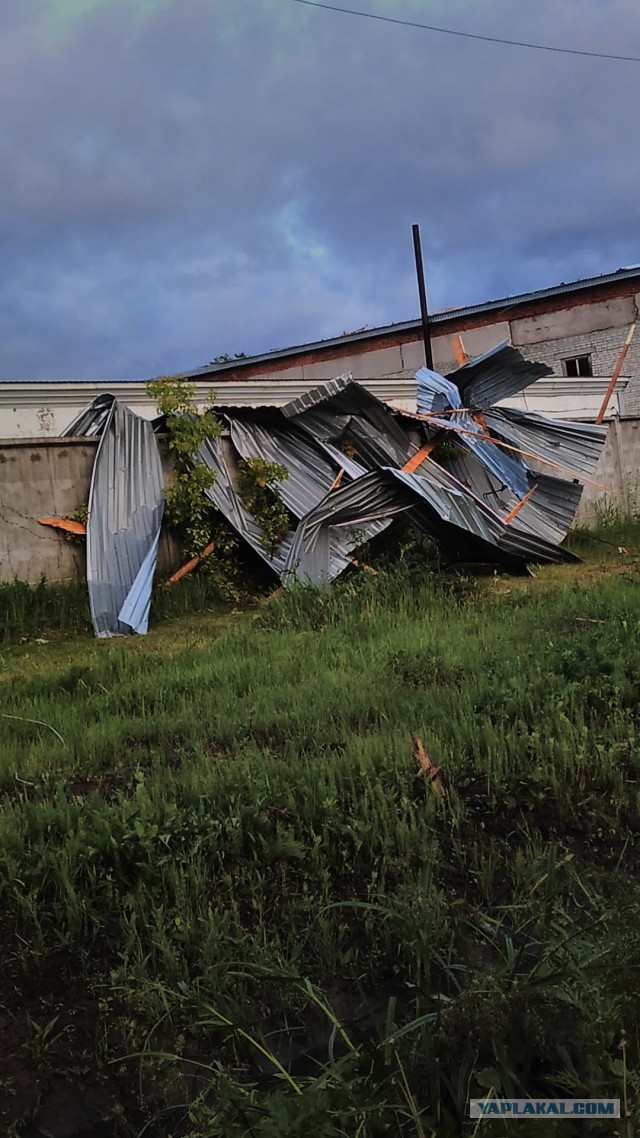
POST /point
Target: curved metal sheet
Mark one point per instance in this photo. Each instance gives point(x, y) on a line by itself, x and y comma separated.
point(496, 375)
point(466, 527)
point(435, 393)
point(574, 446)
point(311, 474)
point(126, 502)
point(91, 421)
point(340, 543)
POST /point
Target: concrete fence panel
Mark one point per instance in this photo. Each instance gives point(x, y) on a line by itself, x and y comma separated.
point(42, 478)
point(49, 478)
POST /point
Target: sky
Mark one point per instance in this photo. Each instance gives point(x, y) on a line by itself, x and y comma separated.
point(185, 178)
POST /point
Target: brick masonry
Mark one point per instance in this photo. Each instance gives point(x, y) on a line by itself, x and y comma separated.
point(604, 348)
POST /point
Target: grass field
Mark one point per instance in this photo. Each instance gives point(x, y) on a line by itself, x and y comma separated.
point(231, 905)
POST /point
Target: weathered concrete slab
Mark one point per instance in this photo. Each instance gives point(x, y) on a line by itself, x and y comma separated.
point(581, 320)
point(44, 478)
point(361, 365)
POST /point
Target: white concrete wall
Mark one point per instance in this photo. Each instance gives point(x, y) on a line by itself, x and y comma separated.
point(44, 410)
point(35, 411)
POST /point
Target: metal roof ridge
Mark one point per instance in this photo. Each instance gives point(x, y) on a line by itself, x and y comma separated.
point(439, 317)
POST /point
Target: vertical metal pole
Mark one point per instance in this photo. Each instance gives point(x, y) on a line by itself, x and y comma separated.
point(424, 312)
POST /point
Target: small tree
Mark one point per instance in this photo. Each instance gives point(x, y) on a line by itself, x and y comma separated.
point(188, 508)
point(257, 483)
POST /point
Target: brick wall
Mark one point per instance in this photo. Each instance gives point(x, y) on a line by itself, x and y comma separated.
point(604, 348)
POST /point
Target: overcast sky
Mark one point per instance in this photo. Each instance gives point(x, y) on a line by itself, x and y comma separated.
point(184, 178)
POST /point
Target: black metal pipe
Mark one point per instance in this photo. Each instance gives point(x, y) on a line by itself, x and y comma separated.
point(422, 292)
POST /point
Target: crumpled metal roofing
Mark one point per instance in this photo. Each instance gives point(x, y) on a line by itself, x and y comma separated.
point(506, 441)
point(435, 394)
point(496, 375)
point(575, 447)
point(91, 421)
point(463, 525)
point(550, 510)
point(225, 498)
point(480, 383)
point(126, 503)
point(311, 473)
point(310, 479)
point(479, 497)
point(469, 434)
point(344, 408)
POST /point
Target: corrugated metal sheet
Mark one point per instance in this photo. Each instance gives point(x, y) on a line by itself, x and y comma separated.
point(574, 446)
point(91, 421)
point(435, 393)
point(552, 507)
point(548, 513)
point(570, 448)
point(224, 497)
point(509, 468)
point(466, 528)
point(496, 375)
point(126, 502)
point(311, 473)
point(344, 407)
point(317, 395)
point(514, 541)
point(301, 492)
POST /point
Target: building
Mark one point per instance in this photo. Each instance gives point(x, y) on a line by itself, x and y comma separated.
point(578, 328)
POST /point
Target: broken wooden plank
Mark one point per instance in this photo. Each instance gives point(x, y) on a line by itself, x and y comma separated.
point(361, 565)
point(272, 596)
point(189, 566)
point(478, 417)
point(461, 356)
point(417, 459)
point(516, 509)
point(65, 524)
point(427, 770)
point(616, 375)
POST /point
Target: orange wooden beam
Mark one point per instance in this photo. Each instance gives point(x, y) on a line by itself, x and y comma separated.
point(190, 565)
point(616, 375)
point(361, 565)
point(417, 459)
point(516, 509)
point(65, 524)
point(337, 480)
point(461, 356)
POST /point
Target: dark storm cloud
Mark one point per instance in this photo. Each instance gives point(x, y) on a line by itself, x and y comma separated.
point(226, 177)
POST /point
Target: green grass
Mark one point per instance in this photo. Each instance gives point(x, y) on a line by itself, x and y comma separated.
point(28, 612)
point(217, 836)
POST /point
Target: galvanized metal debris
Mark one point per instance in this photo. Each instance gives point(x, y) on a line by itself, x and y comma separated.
point(126, 503)
point(489, 484)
